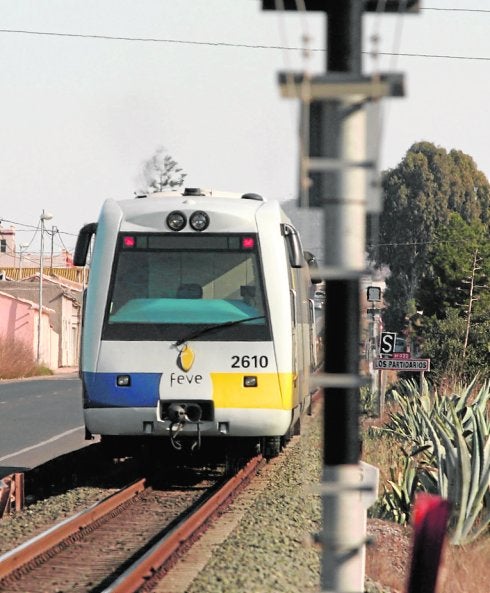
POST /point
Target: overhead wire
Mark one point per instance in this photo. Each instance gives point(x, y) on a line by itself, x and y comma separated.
point(30, 226)
point(25, 250)
point(305, 107)
point(301, 130)
point(232, 45)
point(382, 113)
point(284, 47)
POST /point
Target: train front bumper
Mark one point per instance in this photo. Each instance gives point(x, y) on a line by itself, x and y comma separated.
point(228, 422)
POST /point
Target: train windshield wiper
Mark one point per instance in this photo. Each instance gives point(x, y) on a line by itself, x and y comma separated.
point(216, 326)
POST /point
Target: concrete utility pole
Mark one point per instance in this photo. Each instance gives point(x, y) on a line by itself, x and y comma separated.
point(338, 170)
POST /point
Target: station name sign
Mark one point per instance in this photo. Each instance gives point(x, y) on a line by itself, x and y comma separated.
point(411, 364)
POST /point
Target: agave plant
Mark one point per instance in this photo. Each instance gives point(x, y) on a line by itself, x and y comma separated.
point(395, 504)
point(462, 459)
point(452, 436)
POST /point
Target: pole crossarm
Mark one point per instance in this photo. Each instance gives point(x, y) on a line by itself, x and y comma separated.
point(346, 381)
point(319, 164)
point(397, 6)
point(338, 85)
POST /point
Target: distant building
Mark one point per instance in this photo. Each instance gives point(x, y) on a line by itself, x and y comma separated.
point(64, 300)
point(13, 255)
point(19, 321)
point(7, 247)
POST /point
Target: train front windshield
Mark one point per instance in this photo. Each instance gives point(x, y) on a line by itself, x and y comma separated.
point(166, 287)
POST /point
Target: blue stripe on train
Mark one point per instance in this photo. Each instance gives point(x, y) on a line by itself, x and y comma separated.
point(102, 391)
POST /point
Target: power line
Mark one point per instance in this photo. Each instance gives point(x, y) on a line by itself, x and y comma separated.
point(147, 39)
point(30, 226)
point(234, 45)
point(229, 44)
point(441, 56)
point(484, 10)
point(415, 243)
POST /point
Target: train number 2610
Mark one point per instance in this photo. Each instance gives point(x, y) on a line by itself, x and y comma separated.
point(246, 362)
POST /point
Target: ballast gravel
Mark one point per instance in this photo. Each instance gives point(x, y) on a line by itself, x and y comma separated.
point(272, 550)
point(269, 551)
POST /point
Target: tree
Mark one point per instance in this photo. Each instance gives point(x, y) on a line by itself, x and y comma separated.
point(442, 342)
point(452, 267)
point(419, 196)
point(455, 298)
point(161, 172)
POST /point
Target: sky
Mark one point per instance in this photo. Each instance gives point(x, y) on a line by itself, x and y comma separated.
point(81, 112)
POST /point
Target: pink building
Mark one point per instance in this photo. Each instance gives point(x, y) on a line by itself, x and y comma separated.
point(64, 300)
point(19, 320)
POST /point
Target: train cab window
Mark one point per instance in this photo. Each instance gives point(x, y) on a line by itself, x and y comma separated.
point(164, 286)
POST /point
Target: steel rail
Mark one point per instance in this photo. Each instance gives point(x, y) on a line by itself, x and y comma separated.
point(42, 543)
point(174, 543)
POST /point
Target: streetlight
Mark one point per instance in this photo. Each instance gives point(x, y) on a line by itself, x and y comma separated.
point(44, 216)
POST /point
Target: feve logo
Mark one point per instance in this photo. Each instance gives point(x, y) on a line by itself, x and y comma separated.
point(185, 359)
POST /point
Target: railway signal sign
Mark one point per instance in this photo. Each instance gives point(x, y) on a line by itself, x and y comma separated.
point(387, 343)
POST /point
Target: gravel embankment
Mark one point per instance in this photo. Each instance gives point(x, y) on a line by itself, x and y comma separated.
point(268, 551)
point(16, 529)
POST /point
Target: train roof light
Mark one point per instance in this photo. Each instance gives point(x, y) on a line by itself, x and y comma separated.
point(248, 243)
point(199, 220)
point(176, 220)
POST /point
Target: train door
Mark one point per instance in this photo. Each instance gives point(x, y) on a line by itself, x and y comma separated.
point(299, 312)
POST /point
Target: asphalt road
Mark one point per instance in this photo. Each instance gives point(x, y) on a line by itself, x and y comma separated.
point(39, 420)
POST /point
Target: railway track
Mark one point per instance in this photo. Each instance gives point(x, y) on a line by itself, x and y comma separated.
point(123, 543)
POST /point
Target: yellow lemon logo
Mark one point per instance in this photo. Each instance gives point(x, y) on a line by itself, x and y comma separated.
point(185, 359)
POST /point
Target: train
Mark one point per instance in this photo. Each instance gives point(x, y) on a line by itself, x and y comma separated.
point(199, 323)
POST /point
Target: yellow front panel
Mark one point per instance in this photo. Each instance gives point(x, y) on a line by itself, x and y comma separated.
point(273, 391)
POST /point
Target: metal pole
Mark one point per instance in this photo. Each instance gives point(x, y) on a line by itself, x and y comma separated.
point(38, 358)
point(338, 167)
point(345, 213)
point(52, 241)
point(44, 216)
point(22, 246)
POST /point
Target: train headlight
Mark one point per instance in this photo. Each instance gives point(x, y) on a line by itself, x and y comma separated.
point(123, 381)
point(250, 381)
point(199, 220)
point(176, 220)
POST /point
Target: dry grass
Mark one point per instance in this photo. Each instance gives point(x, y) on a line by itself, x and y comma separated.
point(17, 360)
point(464, 568)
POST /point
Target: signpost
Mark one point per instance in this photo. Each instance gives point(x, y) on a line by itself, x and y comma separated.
point(390, 360)
point(395, 364)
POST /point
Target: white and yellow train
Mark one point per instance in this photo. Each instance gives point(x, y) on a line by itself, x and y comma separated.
point(199, 324)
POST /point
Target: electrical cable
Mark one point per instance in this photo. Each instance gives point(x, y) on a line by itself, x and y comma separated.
point(374, 219)
point(233, 45)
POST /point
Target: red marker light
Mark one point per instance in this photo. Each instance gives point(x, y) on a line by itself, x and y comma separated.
point(129, 241)
point(248, 243)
